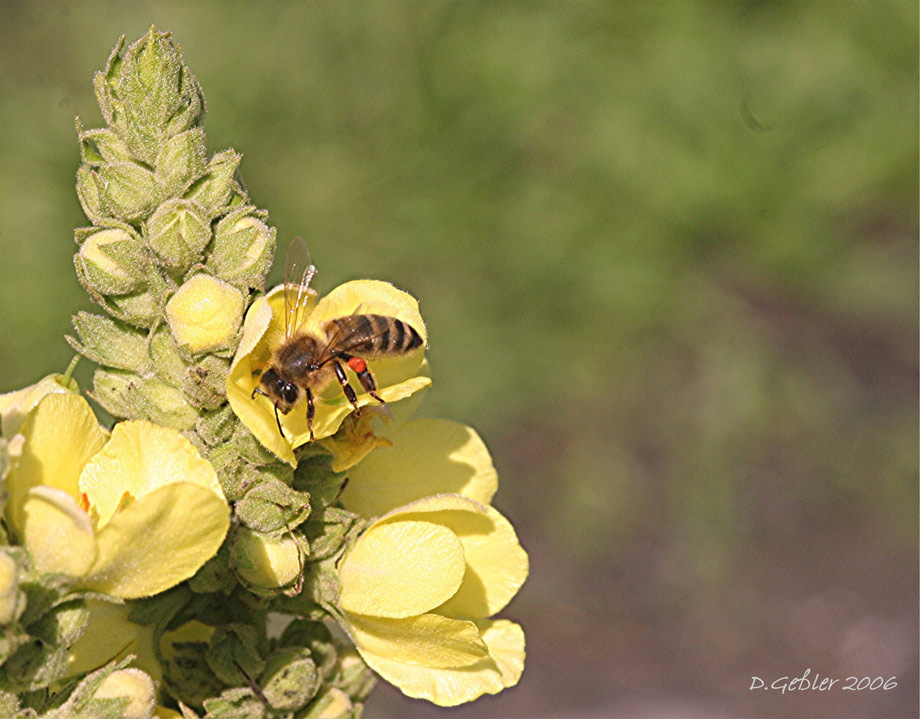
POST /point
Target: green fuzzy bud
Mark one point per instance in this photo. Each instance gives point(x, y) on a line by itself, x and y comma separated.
point(290, 679)
point(63, 625)
point(180, 162)
point(128, 190)
point(147, 94)
point(140, 309)
point(171, 364)
point(102, 83)
point(243, 249)
point(163, 404)
point(237, 703)
point(316, 637)
point(272, 506)
point(234, 654)
point(109, 342)
point(207, 381)
point(100, 146)
point(89, 192)
point(215, 576)
point(9, 704)
point(112, 390)
point(326, 537)
point(187, 675)
point(12, 600)
point(250, 448)
point(216, 427)
point(354, 675)
point(178, 232)
point(111, 262)
point(214, 190)
point(332, 704)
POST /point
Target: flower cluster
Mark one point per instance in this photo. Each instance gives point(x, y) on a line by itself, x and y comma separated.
point(194, 556)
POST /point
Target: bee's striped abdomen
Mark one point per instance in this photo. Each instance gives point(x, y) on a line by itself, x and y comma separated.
point(373, 335)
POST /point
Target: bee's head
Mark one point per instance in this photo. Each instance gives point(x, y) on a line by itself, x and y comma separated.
point(282, 392)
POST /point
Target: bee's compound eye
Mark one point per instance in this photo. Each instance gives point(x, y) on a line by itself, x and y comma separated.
point(290, 392)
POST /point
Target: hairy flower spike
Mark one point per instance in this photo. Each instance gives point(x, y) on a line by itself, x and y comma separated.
point(205, 510)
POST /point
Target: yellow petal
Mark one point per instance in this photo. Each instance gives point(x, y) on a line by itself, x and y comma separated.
point(158, 540)
point(428, 456)
point(14, 406)
point(452, 686)
point(401, 569)
point(262, 329)
point(429, 640)
point(506, 646)
point(396, 377)
point(140, 458)
point(496, 564)
point(61, 435)
point(57, 533)
point(111, 635)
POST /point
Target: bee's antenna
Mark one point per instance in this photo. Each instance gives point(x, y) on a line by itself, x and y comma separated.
point(277, 419)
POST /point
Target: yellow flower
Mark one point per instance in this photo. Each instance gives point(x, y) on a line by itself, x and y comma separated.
point(263, 330)
point(417, 590)
point(14, 406)
point(130, 516)
point(418, 587)
point(428, 456)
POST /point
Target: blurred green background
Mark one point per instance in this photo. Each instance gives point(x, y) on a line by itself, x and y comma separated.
point(667, 254)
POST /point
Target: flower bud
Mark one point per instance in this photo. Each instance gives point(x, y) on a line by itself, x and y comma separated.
point(128, 189)
point(148, 95)
point(265, 562)
point(331, 704)
point(178, 232)
point(243, 250)
point(100, 146)
point(111, 262)
point(138, 308)
point(180, 162)
point(163, 404)
point(214, 190)
point(112, 390)
point(355, 678)
point(12, 601)
point(272, 505)
point(234, 653)
point(89, 193)
point(109, 342)
point(133, 685)
point(216, 427)
point(206, 381)
point(205, 314)
point(290, 679)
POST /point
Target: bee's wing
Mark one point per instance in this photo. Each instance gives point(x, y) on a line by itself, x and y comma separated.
point(298, 272)
point(346, 338)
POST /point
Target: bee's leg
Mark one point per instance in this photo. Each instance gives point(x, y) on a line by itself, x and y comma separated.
point(346, 387)
point(311, 410)
point(364, 376)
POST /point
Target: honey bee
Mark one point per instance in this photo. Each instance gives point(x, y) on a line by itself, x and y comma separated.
point(304, 363)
